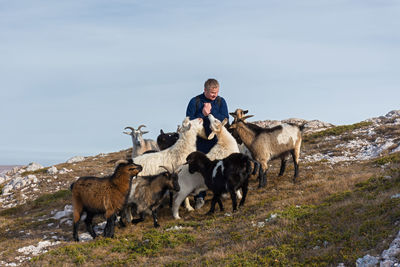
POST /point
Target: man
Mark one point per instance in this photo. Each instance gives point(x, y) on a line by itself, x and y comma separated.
point(200, 107)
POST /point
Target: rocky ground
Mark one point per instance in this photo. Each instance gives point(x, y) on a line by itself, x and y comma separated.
point(22, 186)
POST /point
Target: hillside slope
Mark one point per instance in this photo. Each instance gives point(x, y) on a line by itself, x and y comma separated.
point(344, 206)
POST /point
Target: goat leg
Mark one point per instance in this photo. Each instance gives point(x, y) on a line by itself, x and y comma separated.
point(283, 166)
point(75, 231)
point(213, 202)
point(109, 229)
point(89, 224)
point(154, 213)
point(234, 200)
point(244, 191)
point(141, 219)
point(262, 178)
point(221, 207)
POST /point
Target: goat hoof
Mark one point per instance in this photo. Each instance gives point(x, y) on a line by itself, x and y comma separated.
point(189, 209)
point(156, 225)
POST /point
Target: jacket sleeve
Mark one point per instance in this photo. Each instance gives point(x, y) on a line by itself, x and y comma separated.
point(222, 112)
point(191, 109)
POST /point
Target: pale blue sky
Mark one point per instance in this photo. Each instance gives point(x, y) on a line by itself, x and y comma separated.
point(73, 74)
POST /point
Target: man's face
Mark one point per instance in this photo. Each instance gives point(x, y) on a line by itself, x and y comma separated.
point(211, 93)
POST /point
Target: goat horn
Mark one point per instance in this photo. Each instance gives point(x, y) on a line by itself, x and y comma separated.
point(165, 168)
point(129, 128)
point(141, 126)
point(246, 117)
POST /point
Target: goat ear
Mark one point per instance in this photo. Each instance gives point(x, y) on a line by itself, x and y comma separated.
point(232, 114)
point(145, 132)
point(126, 133)
point(161, 131)
point(211, 136)
point(224, 122)
point(245, 111)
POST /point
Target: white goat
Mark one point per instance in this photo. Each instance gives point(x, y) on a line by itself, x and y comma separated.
point(172, 157)
point(140, 145)
point(194, 183)
point(175, 155)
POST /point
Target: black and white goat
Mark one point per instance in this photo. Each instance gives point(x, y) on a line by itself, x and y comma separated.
point(221, 176)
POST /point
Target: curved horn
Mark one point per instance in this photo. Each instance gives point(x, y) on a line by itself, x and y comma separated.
point(129, 128)
point(141, 126)
point(165, 168)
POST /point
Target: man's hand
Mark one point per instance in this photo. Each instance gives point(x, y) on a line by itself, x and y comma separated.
point(206, 109)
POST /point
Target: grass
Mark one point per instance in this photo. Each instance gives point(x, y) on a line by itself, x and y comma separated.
point(340, 227)
point(333, 214)
point(335, 131)
point(50, 198)
point(392, 158)
point(39, 171)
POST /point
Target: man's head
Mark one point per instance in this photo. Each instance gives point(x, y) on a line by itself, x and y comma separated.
point(211, 89)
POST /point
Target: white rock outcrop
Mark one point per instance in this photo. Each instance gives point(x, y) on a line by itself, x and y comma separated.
point(33, 166)
point(76, 159)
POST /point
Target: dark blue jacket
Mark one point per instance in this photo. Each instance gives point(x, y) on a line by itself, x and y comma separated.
point(219, 109)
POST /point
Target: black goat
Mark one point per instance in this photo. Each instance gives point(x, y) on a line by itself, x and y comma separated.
point(165, 140)
point(222, 176)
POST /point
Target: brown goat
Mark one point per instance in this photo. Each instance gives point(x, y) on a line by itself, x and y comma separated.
point(266, 144)
point(102, 195)
point(148, 192)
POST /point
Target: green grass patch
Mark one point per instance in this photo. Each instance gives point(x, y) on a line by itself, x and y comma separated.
point(39, 171)
point(392, 158)
point(334, 131)
point(48, 198)
point(12, 211)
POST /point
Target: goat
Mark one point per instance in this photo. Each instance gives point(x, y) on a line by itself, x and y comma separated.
point(102, 195)
point(140, 145)
point(193, 182)
point(227, 175)
point(173, 156)
point(266, 144)
point(166, 140)
point(148, 192)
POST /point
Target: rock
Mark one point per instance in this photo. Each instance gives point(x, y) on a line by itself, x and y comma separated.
point(64, 170)
point(68, 210)
point(33, 166)
point(19, 182)
point(367, 261)
point(53, 170)
point(76, 159)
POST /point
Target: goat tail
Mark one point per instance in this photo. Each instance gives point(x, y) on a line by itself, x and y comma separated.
point(301, 127)
point(72, 186)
